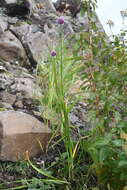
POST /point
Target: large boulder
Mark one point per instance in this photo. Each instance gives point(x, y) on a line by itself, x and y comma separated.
point(20, 132)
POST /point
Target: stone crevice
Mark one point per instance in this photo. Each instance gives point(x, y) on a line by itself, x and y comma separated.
point(27, 50)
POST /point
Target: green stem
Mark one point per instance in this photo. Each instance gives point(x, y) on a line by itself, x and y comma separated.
point(61, 65)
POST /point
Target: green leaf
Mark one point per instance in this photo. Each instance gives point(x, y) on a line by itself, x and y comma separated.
point(102, 142)
point(118, 143)
point(104, 153)
point(117, 116)
point(122, 164)
point(123, 176)
point(47, 174)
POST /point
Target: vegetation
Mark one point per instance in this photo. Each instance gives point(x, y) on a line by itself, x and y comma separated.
point(97, 158)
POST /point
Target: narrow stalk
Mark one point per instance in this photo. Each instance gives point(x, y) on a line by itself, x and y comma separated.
point(61, 64)
point(65, 125)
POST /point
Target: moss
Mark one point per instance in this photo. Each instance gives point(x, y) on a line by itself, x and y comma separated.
point(3, 109)
point(19, 23)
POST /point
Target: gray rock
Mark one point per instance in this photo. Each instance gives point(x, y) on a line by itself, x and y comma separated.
point(35, 43)
point(78, 117)
point(5, 81)
point(25, 86)
point(26, 7)
point(38, 43)
point(69, 6)
point(18, 7)
point(5, 106)
point(19, 104)
point(10, 1)
point(3, 24)
point(48, 4)
point(11, 48)
point(7, 97)
point(21, 133)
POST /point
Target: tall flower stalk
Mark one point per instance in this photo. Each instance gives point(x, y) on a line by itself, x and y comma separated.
point(62, 71)
point(63, 107)
point(111, 24)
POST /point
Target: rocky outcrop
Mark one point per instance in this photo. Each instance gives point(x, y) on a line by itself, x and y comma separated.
point(21, 133)
point(29, 31)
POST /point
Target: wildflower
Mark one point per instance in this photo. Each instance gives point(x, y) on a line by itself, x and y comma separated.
point(61, 20)
point(53, 53)
point(110, 23)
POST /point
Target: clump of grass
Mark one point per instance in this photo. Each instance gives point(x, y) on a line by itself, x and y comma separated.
point(57, 101)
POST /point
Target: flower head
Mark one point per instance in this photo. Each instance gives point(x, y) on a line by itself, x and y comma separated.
point(110, 23)
point(53, 53)
point(61, 20)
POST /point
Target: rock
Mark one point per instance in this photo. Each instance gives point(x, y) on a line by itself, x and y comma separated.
point(5, 106)
point(3, 25)
point(18, 7)
point(48, 4)
point(7, 97)
point(78, 116)
point(37, 42)
point(5, 81)
point(25, 86)
point(73, 6)
point(17, 89)
point(11, 48)
point(24, 8)
point(20, 132)
point(10, 1)
point(15, 69)
point(19, 104)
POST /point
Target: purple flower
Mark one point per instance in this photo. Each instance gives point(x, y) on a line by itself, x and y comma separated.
point(61, 20)
point(53, 53)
